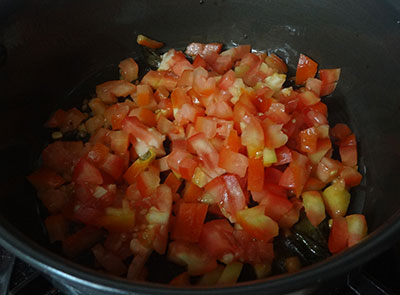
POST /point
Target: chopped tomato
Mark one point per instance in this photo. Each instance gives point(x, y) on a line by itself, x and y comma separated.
point(314, 207)
point(306, 68)
point(257, 224)
point(217, 239)
point(128, 69)
point(255, 175)
point(85, 172)
point(232, 162)
point(189, 222)
point(145, 41)
point(329, 80)
point(339, 235)
point(199, 139)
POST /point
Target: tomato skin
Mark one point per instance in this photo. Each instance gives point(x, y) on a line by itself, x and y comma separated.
point(199, 62)
point(339, 235)
point(306, 68)
point(189, 222)
point(217, 239)
point(351, 176)
point(232, 162)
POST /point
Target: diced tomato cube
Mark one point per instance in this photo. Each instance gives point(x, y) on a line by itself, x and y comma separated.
point(189, 222)
point(329, 78)
point(339, 235)
point(314, 207)
point(217, 239)
point(147, 183)
point(192, 192)
point(84, 172)
point(173, 182)
point(308, 140)
point(257, 224)
point(128, 69)
point(255, 181)
point(357, 228)
point(306, 68)
point(113, 165)
point(232, 162)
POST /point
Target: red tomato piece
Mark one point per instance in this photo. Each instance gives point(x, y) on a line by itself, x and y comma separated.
point(306, 68)
point(308, 140)
point(329, 78)
point(187, 168)
point(227, 80)
point(276, 62)
point(348, 151)
point(113, 165)
point(192, 193)
point(128, 69)
point(217, 239)
point(189, 222)
point(152, 137)
point(109, 91)
point(275, 206)
point(351, 176)
point(257, 224)
point(206, 125)
point(272, 175)
point(283, 155)
point(314, 85)
point(207, 153)
point(199, 62)
point(145, 41)
point(232, 162)
point(45, 178)
point(81, 240)
point(328, 169)
point(339, 132)
point(147, 183)
point(255, 181)
point(339, 235)
point(203, 84)
point(252, 136)
point(173, 182)
point(276, 112)
point(84, 172)
point(273, 135)
point(234, 200)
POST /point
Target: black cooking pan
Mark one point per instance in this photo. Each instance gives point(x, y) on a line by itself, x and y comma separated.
point(53, 53)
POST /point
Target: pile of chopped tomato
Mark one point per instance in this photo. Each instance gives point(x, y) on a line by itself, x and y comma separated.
point(204, 160)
